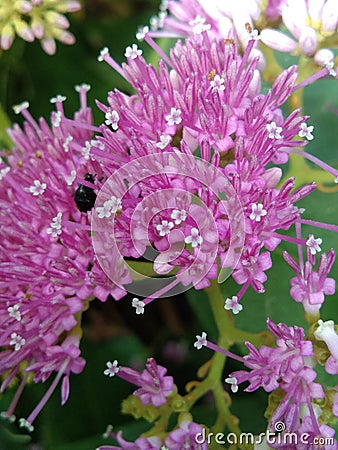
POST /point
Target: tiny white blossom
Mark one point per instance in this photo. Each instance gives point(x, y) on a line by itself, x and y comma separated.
point(23, 423)
point(104, 52)
point(55, 226)
point(201, 341)
point(98, 144)
point(178, 215)
point(14, 312)
point(141, 33)
point(18, 108)
point(233, 305)
point(164, 227)
point(11, 418)
point(233, 382)
point(58, 99)
point(194, 238)
point(325, 330)
point(138, 305)
point(112, 118)
point(109, 207)
point(56, 119)
point(164, 141)
point(174, 117)
point(17, 341)
point(335, 180)
point(133, 52)
point(330, 67)
point(112, 368)
point(257, 212)
point(70, 180)
point(65, 145)
point(217, 84)
point(83, 87)
point(306, 131)
point(37, 188)
point(86, 150)
point(314, 244)
point(198, 25)
point(4, 172)
point(254, 35)
point(274, 131)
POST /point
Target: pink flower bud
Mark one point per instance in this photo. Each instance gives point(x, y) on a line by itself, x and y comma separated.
point(278, 41)
point(295, 16)
point(272, 177)
point(308, 41)
point(67, 38)
point(73, 6)
point(49, 46)
point(323, 57)
point(315, 8)
point(330, 15)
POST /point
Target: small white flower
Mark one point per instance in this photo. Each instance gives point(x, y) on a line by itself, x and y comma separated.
point(86, 150)
point(217, 84)
point(335, 180)
point(4, 172)
point(18, 108)
point(201, 341)
point(14, 312)
point(233, 305)
point(198, 25)
point(17, 341)
point(65, 145)
point(103, 53)
point(254, 35)
point(37, 188)
point(23, 423)
point(109, 207)
point(194, 239)
point(139, 305)
point(112, 118)
point(55, 226)
point(133, 52)
point(274, 131)
point(305, 131)
point(58, 99)
point(314, 244)
point(330, 68)
point(325, 330)
point(112, 368)
point(56, 119)
point(164, 141)
point(164, 227)
point(98, 144)
point(174, 117)
point(179, 215)
point(257, 212)
point(233, 382)
point(141, 33)
point(83, 87)
point(70, 180)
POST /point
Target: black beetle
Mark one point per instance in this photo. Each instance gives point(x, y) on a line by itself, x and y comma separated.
point(85, 196)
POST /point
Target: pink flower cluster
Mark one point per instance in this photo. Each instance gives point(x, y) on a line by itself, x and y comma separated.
point(288, 367)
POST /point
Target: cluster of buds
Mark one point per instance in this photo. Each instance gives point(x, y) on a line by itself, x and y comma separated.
point(36, 19)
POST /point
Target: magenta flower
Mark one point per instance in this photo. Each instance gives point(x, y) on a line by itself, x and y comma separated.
point(310, 287)
point(154, 385)
point(185, 437)
point(141, 443)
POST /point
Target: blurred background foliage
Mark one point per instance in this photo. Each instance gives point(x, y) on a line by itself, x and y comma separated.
point(168, 329)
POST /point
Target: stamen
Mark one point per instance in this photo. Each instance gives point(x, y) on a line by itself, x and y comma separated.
point(157, 49)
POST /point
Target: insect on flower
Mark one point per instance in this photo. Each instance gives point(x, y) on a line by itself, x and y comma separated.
point(85, 196)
